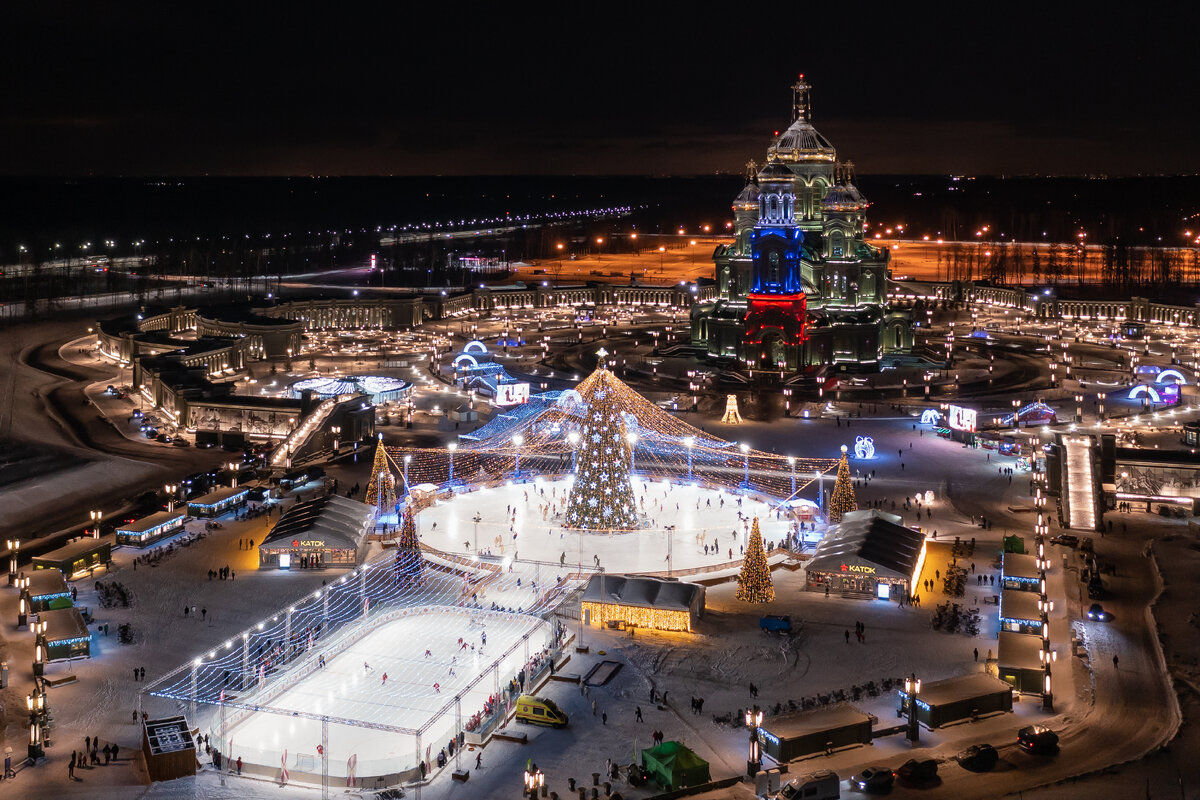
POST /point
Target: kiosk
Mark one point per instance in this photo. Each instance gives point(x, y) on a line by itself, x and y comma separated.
point(67, 635)
point(791, 736)
point(214, 504)
point(868, 552)
point(943, 702)
point(1019, 612)
point(150, 529)
point(80, 556)
point(1019, 661)
point(1020, 573)
point(47, 589)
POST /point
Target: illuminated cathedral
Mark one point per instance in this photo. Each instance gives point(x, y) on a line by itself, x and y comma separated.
point(800, 287)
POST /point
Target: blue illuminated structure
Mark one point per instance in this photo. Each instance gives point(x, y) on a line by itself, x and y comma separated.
point(219, 502)
point(1019, 612)
point(150, 529)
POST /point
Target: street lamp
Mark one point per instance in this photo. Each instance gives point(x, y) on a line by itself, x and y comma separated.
point(407, 461)
point(912, 688)
point(477, 519)
point(792, 466)
point(35, 703)
point(170, 489)
point(517, 441)
point(745, 448)
point(754, 717)
point(451, 448)
point(1016, 404)
point(535, 779)
point(1079, 408)
point(95, 517)
point(336, 430)
point(1100, 399)
point(573, 439)
point(14, 547)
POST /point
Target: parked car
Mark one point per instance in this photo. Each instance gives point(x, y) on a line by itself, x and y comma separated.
point(182, 443)
point(164, 438)
point(1096, 613)
point(1038, 739)
point(1065, 539)
point(978, 758)
point(1087, 545)
point(821, 785)
point(918, 772)
point(150, 433)
point(873, 779)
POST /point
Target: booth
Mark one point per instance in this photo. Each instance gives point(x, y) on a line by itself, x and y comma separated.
point(1019, 661)
point(1020, 573)
point(150, 529)
point(644, 602)
point(80, 556)
point(673, 766)
point(47, 589)
point(868, 552)
point(67, 635)
point(790, 736)
point(1019, 612)
point(169, 748)
point(943, 702)
point(214, 504)
point(323, 532)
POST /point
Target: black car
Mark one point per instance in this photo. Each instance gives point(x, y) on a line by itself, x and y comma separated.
point(1038, 739)
point(978, 758)
point(873, 779)
point(918, 772)
point(1097, 613)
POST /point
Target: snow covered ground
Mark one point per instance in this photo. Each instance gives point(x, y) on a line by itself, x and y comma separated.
point(519, 518)
point(418, 693)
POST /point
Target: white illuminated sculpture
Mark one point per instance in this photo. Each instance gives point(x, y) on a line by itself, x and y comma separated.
point(930, 416)
point(864, 447)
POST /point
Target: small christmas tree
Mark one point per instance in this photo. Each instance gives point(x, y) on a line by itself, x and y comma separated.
point(381, 489)
point(602, 496)
point(754, 581)
point(409, 560)
point(842, 499)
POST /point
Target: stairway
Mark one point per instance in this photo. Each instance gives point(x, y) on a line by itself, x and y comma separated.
point(1080, 484)
point(295, 443)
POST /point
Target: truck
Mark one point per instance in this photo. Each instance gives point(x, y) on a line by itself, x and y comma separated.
point(774, 623)
point(821, 785)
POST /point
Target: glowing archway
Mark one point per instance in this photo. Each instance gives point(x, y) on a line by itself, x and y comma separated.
point(1144, 390)
point(479, 347)
point(1171, 373)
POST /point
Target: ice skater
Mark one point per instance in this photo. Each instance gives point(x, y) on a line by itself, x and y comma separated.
point(367, 667)
point(384, 679)
point(428, 654)
point(437, 687)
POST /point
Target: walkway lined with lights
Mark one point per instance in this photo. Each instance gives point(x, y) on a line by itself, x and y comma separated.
point(1080, 485)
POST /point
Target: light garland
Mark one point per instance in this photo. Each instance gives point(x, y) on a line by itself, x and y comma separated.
point(754, 581)
point(842, 499)
point(660, 619)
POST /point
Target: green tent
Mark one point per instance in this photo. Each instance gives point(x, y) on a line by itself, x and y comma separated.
point(673, 766)
point(1014, 544)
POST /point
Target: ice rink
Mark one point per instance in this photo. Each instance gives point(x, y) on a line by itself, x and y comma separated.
point(518, 519)
point(419, 691)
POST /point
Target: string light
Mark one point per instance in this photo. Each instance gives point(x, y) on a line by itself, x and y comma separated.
point(656, 618)
point(842, 500)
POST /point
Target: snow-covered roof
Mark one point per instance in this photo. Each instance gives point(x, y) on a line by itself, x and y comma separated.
point(952, 690)
point(46, 581)
point(642, 592)
point(1020, 565)
point(870, 537)
point(1015, 604)
point(1019, 650)
point(63, 624)
point(801, 723)
point(336, 522)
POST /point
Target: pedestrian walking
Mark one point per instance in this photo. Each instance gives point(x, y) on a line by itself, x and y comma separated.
point(976, 653)
point(847, 636)
point(71, 766)
point(239, 765)
point(479, 760)
point(603, 718)
point(1116, 663)
point(593, 708)
point(638, 713)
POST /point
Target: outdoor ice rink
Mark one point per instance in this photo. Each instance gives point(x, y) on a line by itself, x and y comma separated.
point(695, 512)
point(351, 686)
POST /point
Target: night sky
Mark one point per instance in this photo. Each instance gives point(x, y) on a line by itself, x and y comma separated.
point(303, 89)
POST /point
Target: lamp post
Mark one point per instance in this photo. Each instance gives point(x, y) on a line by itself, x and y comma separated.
point(792, 467)
point(517, 441)
point(745, 448)
point(1100, 399)
point(632, 439)
point(535, 779)
point(14, 548)
point(1046, 655)
point(1016, 404)
point(232, 466)
point(336, 430)
point(1079, 408)
point(573, 440)
point(754, 717)
point(35, 702)
point(39, 648)
point(820, 476)
point(451, 448)
point(912, 688)
point(407, 461)
point(95, 517)
point(690, 442)
point(170, 489)
point(477, 519)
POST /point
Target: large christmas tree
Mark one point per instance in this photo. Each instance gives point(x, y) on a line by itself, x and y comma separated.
point(754, 581)
point(381, 489)
point(842, 499)
point(602, 496)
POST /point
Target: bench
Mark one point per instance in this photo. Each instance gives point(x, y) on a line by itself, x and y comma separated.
point(504, 734)
point(63, 681)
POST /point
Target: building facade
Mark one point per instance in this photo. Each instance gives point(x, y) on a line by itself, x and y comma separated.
point(800, 286)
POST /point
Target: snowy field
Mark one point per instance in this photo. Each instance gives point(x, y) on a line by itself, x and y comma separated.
point(419, 692)
point(519, 519)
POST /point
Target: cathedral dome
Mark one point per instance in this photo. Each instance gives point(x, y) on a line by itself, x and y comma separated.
point(843, 197)
point(801, 142)
point(749, 194)
point(774, 172)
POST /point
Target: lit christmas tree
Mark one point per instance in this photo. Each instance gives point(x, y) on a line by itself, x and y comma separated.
point(409, 560)
point(842, 499)
point(602, 495)
point(381, 489)
point(754, 581)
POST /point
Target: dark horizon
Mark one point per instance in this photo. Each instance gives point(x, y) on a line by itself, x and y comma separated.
point(623, 90)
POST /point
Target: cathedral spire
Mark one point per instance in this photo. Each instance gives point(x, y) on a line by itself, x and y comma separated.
point(801, 103)
point(751, 171)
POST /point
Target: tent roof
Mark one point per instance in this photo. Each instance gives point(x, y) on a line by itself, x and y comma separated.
point(1020, 565)
point(341, 523)
point(873, 537)
point(63, 623)
point(952, 690)
point(642, 592)
point(46, 581)
point(1019, 650)
point(801, 723)
point(673, 754)
point(1015, 604)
